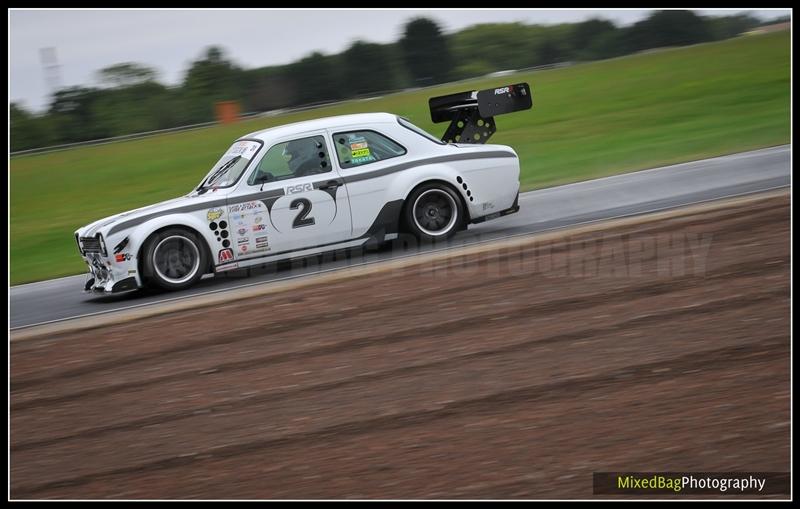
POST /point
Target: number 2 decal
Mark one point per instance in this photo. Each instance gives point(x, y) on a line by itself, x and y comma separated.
point(302, 219)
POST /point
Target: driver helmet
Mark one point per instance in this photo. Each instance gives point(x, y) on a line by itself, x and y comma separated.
point(298, 152)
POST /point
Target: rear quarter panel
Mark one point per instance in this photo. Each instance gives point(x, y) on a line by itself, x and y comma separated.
point(493, 183)
point(486, 184)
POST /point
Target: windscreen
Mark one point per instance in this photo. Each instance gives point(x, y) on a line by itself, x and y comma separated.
point(232, 164)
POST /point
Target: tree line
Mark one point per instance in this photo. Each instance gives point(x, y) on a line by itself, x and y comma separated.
point(129, 99)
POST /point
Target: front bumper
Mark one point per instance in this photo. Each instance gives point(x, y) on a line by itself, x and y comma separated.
point(107, 276)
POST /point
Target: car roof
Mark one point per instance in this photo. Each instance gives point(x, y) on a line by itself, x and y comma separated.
point(359, 119)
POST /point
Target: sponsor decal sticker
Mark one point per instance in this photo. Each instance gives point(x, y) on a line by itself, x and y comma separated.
point(225, 255)
point(359, 150)
point(262, 243)
point(122, 257)
point(238, 148)
point(242, 231)
point(259, 227)
point(245, 149)
point(214, 214)
point(243, 240)
point(227, 267)
point(258, 219)
point(241, 207)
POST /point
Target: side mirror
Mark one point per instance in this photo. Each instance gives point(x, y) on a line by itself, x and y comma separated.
point(264, 178)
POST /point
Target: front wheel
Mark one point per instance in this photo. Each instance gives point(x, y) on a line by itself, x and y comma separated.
point(433, 212)
point(174, 259)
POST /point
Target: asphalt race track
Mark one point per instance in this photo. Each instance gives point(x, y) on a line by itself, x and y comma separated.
point(546, 209)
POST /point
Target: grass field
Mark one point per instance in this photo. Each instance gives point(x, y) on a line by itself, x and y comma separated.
point(588, 120)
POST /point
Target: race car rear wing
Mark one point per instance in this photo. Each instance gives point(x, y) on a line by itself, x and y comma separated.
point(471, 114)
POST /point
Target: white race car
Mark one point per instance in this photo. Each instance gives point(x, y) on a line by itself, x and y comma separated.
point(309, 187)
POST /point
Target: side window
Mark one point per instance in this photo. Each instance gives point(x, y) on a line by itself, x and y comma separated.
point(292, 159)
point(356, 148)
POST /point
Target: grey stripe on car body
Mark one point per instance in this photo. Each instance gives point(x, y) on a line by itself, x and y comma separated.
point(347, 179)
point(186, 208)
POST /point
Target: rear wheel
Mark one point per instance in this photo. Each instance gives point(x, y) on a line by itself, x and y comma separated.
point(433, 212)
point(174, 259)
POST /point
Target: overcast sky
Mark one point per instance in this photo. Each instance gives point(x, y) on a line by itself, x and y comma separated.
point(168, 40)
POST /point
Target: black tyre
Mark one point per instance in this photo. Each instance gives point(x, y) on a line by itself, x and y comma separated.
point(174, 259)
point(433, 212)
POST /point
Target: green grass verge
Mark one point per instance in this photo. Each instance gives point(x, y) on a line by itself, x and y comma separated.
point(588, 121)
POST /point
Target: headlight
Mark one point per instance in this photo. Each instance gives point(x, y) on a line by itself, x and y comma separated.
point(102, 244)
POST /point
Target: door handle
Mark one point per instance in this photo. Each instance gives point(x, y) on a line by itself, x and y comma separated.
point(330, 184)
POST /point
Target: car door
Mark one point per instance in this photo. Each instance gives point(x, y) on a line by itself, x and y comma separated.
point(293, 199)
